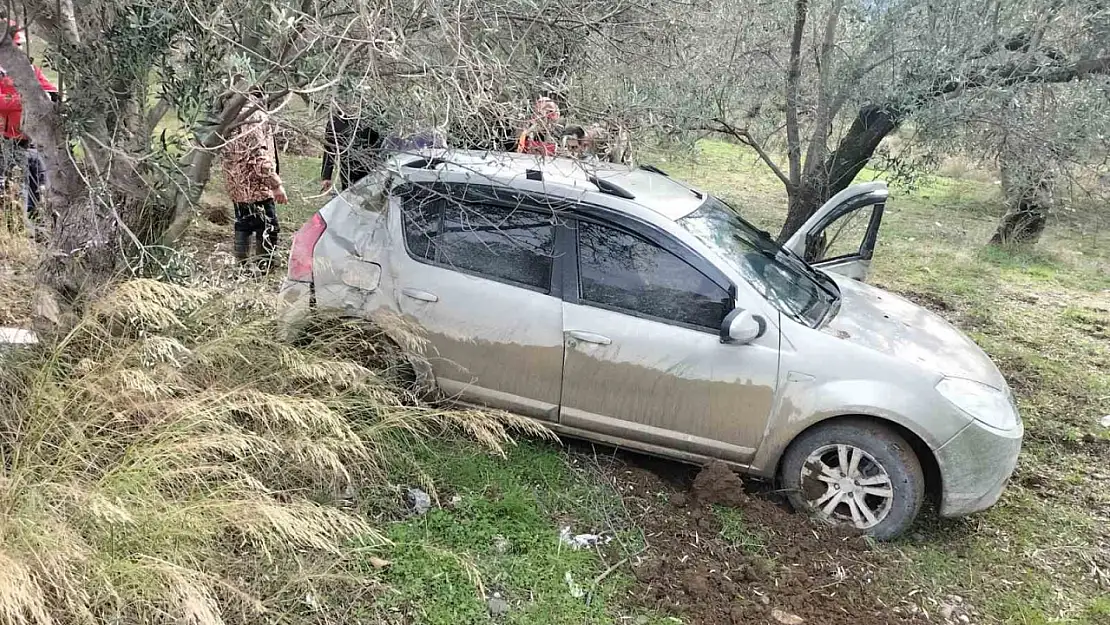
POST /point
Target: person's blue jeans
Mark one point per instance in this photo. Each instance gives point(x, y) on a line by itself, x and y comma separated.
point(11, 153)
point(36, 178)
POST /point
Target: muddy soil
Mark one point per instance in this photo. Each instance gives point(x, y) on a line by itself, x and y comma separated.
point(789, 571)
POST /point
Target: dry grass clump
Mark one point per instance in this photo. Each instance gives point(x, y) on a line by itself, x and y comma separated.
point(165, 462)
point(18, 256)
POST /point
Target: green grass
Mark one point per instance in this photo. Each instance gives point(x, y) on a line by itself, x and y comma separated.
point(743, 535)
point(1099, 609)
point(501, 535)
point(1044, 315)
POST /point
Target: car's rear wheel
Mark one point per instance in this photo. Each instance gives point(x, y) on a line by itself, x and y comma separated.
point(857, 473)
point(377, 345)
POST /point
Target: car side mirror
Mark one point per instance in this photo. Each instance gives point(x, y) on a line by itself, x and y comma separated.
point(742, 327)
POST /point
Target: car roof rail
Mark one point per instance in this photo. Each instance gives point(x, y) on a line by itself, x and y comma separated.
point(655, 170)
point(425, 163)
point(609, 188)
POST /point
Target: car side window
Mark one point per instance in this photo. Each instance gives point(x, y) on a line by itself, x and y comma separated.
point(845, 237)
point(507, 243)
point(422, 213)
point(623, 271)
point(511, 244)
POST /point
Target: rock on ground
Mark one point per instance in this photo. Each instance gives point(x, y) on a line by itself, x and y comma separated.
point(419, 500)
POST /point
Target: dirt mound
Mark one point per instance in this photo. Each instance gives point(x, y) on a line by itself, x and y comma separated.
point(768, 565)
point(216, 214)
point(718, 484)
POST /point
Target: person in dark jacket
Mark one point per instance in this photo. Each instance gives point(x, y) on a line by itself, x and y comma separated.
point(354, 144)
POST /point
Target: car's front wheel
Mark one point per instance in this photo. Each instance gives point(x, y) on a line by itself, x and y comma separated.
point(855, 472)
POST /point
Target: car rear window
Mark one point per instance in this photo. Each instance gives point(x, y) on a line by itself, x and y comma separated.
point(369, 193)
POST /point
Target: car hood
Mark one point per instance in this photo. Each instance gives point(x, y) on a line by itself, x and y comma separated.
point(895, 326)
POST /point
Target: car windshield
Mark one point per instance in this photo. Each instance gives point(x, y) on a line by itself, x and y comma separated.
point(791, 285)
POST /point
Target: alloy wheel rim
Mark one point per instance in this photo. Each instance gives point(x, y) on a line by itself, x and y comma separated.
point(845, 484)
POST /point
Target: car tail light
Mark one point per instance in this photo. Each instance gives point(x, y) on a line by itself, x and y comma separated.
point(304, 244)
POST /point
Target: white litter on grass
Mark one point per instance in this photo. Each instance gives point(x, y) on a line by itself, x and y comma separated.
point(420, 501)
point(786, 618)
point(311, 602)
point(580, 541)
point(575, 590)
point(1105, 421)
point(17, 336)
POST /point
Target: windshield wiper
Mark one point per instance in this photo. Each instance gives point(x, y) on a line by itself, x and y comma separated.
point(766, 245)
point(826, 283)
point(780, 254)
point(831, 289)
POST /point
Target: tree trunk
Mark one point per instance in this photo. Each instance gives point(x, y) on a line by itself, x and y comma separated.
point(83, 245)
point(840, 168)
point(1023, 224)
point(197, 163)
point(804, 202)
point(1029, 196)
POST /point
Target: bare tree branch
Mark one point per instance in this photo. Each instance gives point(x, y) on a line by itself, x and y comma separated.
point(823, 116)
point(793, 75)
point(157, 113)
point(743, 136)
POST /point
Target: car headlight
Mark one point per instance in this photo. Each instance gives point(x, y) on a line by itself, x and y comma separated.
point(983, 403)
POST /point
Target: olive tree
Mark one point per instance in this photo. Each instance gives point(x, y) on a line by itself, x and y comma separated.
point(814, 86)
point(1044, 140)
point(126, 64)
point(1048, 142)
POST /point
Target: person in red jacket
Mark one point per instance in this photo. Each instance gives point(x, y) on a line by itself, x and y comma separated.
point(540, 137)
point(16, 145)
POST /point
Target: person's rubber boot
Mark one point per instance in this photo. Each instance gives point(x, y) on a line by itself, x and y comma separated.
point(268, 242)
point(259, 259)
point(242, 246)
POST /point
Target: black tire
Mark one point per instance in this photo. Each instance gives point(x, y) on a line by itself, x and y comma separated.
point(889, 450)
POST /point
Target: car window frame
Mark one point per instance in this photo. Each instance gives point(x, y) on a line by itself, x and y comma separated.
point(501, 197)
point(866, 249)
point(362, 195)
point(654, 236)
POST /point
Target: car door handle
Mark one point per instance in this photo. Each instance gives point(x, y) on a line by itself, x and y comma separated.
point(589, 337)
point(417, 294)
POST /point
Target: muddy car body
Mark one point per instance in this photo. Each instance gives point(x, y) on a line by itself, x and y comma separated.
point(622, 306)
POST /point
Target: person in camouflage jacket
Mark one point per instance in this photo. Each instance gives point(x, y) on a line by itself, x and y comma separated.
point(253, 182)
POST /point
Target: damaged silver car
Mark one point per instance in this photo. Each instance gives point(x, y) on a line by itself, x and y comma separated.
point(623, 306)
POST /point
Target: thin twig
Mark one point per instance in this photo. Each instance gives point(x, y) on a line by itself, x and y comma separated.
point(609, 571)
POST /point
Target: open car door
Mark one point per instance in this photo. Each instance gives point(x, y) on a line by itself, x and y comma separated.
point(840, 237)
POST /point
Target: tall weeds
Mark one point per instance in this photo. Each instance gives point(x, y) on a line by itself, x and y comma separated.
point(18, 256)
point(169, 461)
